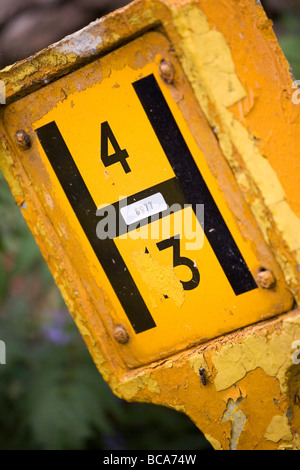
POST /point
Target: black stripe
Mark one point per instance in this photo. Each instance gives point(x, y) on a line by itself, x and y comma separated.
point(85, 210)
point(193, 185)
point(188, 187)
point(171, 193)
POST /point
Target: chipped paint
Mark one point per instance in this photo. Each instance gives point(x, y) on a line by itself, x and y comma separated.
point(272, 353)
point(198, 361)
point(241, 416)
point(237, 418)
point(161, 279)
point(81, 47)
point(6, 165)
point(209, 56)
point(207, 61)
point(26, 70)
point(279, 429)
point(130, 388)
point(214, 442)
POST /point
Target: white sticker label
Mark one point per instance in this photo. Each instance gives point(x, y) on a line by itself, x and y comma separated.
point(144, 208)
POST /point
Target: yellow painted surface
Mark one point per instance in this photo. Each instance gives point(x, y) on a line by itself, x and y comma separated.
point(78, 106)
point(279, 429)
point(260, 131)
point(224, 87)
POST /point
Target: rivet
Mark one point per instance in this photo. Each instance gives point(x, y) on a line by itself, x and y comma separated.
point(121, 335)
point(265, 278)
point(167, 72)
point(23, 140)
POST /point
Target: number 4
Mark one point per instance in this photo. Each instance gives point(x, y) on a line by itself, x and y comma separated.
point(119, 155)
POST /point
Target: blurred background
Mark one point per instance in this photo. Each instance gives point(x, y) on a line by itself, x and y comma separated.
point(51, 395)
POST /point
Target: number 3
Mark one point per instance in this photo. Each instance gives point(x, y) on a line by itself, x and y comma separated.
point(181, 261)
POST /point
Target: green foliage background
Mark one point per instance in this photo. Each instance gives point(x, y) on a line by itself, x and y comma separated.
point(51, 395)
point(288, 33)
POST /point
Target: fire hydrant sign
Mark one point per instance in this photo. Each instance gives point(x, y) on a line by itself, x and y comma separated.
point(138, 212)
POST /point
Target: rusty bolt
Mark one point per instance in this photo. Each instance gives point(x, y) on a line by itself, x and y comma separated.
point(23, 140)
point(167, 72)
point(265, 278)
point(121, 335)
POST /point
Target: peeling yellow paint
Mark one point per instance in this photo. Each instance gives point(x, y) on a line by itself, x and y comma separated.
point(279, 429)
point(270, 352)
point(130, 388)
point(169, 364)
point(26, 69)
point(208, 63)
point(237, 418)
point(230, 365)
point(6, 163)
point(151, 383)
point(135, 20)
point(287, 447)
point(214, 442)
point(293, 445)
point(208, 49)
point(101, 362)
point(148, 15)
point(180, 408)
point(161, 279)
point(197, 361)
point(259, 209)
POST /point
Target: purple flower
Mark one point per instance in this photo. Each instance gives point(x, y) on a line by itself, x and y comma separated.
point(55, 331)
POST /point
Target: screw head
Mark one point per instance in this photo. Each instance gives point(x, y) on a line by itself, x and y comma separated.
point(167, 72)
point(121, 335)
point(23, 140)
point(265, 278)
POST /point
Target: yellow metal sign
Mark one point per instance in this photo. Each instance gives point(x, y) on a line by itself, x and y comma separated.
point(121, 166)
